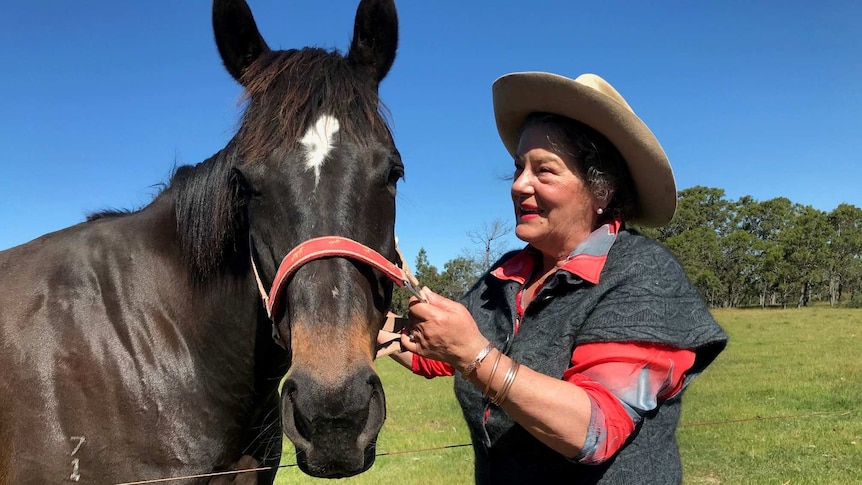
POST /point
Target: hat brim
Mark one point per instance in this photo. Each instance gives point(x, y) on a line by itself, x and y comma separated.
point(520, 94)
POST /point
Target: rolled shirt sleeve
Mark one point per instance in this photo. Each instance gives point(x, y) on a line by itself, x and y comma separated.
point(624, 381)
point(430, 368)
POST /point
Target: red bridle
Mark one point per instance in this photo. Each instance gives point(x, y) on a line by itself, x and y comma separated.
point(328, 247)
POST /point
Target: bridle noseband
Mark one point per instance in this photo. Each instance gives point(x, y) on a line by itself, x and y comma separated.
point(326, 247)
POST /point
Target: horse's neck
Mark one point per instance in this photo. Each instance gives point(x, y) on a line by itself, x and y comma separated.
point(225, 293)
point(219, 315)
point(218, 324)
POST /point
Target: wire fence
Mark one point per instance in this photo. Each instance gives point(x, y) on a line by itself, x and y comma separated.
point(464, 445)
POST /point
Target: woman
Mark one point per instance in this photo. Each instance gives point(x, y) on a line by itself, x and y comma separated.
point(575, 350)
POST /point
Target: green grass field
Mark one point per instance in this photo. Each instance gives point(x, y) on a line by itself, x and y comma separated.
point(782, 405)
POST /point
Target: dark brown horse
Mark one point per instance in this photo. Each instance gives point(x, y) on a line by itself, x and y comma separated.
point(137, 346)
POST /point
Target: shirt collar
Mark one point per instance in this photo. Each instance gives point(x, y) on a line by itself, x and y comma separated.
point(586, 261)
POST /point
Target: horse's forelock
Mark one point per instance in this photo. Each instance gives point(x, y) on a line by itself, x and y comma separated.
point(295, 88)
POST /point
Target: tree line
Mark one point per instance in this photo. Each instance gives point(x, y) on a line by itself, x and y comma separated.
point(738, 253)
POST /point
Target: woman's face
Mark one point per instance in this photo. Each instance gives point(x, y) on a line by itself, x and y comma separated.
point(554, 209)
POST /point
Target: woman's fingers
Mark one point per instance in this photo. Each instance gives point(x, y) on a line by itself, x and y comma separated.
point(409, 343)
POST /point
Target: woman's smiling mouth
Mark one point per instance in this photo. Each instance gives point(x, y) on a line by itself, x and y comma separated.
point(527, 211)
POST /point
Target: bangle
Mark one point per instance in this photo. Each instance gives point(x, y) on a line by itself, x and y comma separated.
point(507, 384)
point(493, 371)
point(479, 357)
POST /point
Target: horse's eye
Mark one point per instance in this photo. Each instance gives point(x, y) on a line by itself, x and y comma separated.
point(395, 173)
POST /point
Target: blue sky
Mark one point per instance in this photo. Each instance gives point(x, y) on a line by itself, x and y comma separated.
point(102, 99)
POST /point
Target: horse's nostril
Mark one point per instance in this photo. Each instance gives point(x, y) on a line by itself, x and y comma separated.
point(374, 380)
point(302, 426)
point(289, 386)
point(295, 424)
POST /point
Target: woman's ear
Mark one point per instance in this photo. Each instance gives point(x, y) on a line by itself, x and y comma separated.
point(604, 201)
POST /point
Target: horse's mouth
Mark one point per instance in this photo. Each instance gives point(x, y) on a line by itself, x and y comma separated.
point(333, 447)
point(337, 468)
point(325, 461)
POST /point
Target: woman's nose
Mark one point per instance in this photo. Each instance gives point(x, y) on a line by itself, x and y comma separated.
point(522, 184)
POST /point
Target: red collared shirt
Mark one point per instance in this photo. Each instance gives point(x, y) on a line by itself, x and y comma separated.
point(623, 380)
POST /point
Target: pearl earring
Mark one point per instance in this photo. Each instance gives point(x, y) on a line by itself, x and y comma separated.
point(600, 211)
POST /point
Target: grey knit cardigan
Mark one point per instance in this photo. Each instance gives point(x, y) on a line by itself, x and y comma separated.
point(643, 295)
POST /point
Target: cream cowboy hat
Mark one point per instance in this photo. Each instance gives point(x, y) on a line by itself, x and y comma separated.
point(592, 101)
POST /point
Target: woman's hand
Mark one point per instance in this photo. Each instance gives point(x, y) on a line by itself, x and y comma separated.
point(444, 330)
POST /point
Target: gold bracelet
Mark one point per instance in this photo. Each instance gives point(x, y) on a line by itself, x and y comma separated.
point(501, 392)
point(479, 358)
point(511, 383)
point(493, 371)
point(507, 384)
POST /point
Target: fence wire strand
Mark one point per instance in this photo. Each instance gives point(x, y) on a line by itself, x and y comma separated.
point(447, 447)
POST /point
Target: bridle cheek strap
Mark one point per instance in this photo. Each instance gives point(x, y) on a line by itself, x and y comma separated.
point(318, 248)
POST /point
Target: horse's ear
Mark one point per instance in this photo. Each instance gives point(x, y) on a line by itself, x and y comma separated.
point(375, 36)
point(236, 35)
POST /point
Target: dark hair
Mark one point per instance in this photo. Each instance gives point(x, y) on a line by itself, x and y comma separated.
point(599, 163)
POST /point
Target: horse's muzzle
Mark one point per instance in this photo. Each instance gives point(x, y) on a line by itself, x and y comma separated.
point(333, 427)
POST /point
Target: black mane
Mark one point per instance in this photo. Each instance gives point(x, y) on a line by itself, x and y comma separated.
point(109, 214)
point(210, 213)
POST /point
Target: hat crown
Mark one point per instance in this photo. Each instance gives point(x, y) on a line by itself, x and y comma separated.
point(597, 83)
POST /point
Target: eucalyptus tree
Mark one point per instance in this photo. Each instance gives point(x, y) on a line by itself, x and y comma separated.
point(846, 249)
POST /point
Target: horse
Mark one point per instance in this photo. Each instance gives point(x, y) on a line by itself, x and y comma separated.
point(139, 345)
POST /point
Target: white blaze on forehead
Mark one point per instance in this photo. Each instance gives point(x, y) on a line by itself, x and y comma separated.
point(317, 142)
